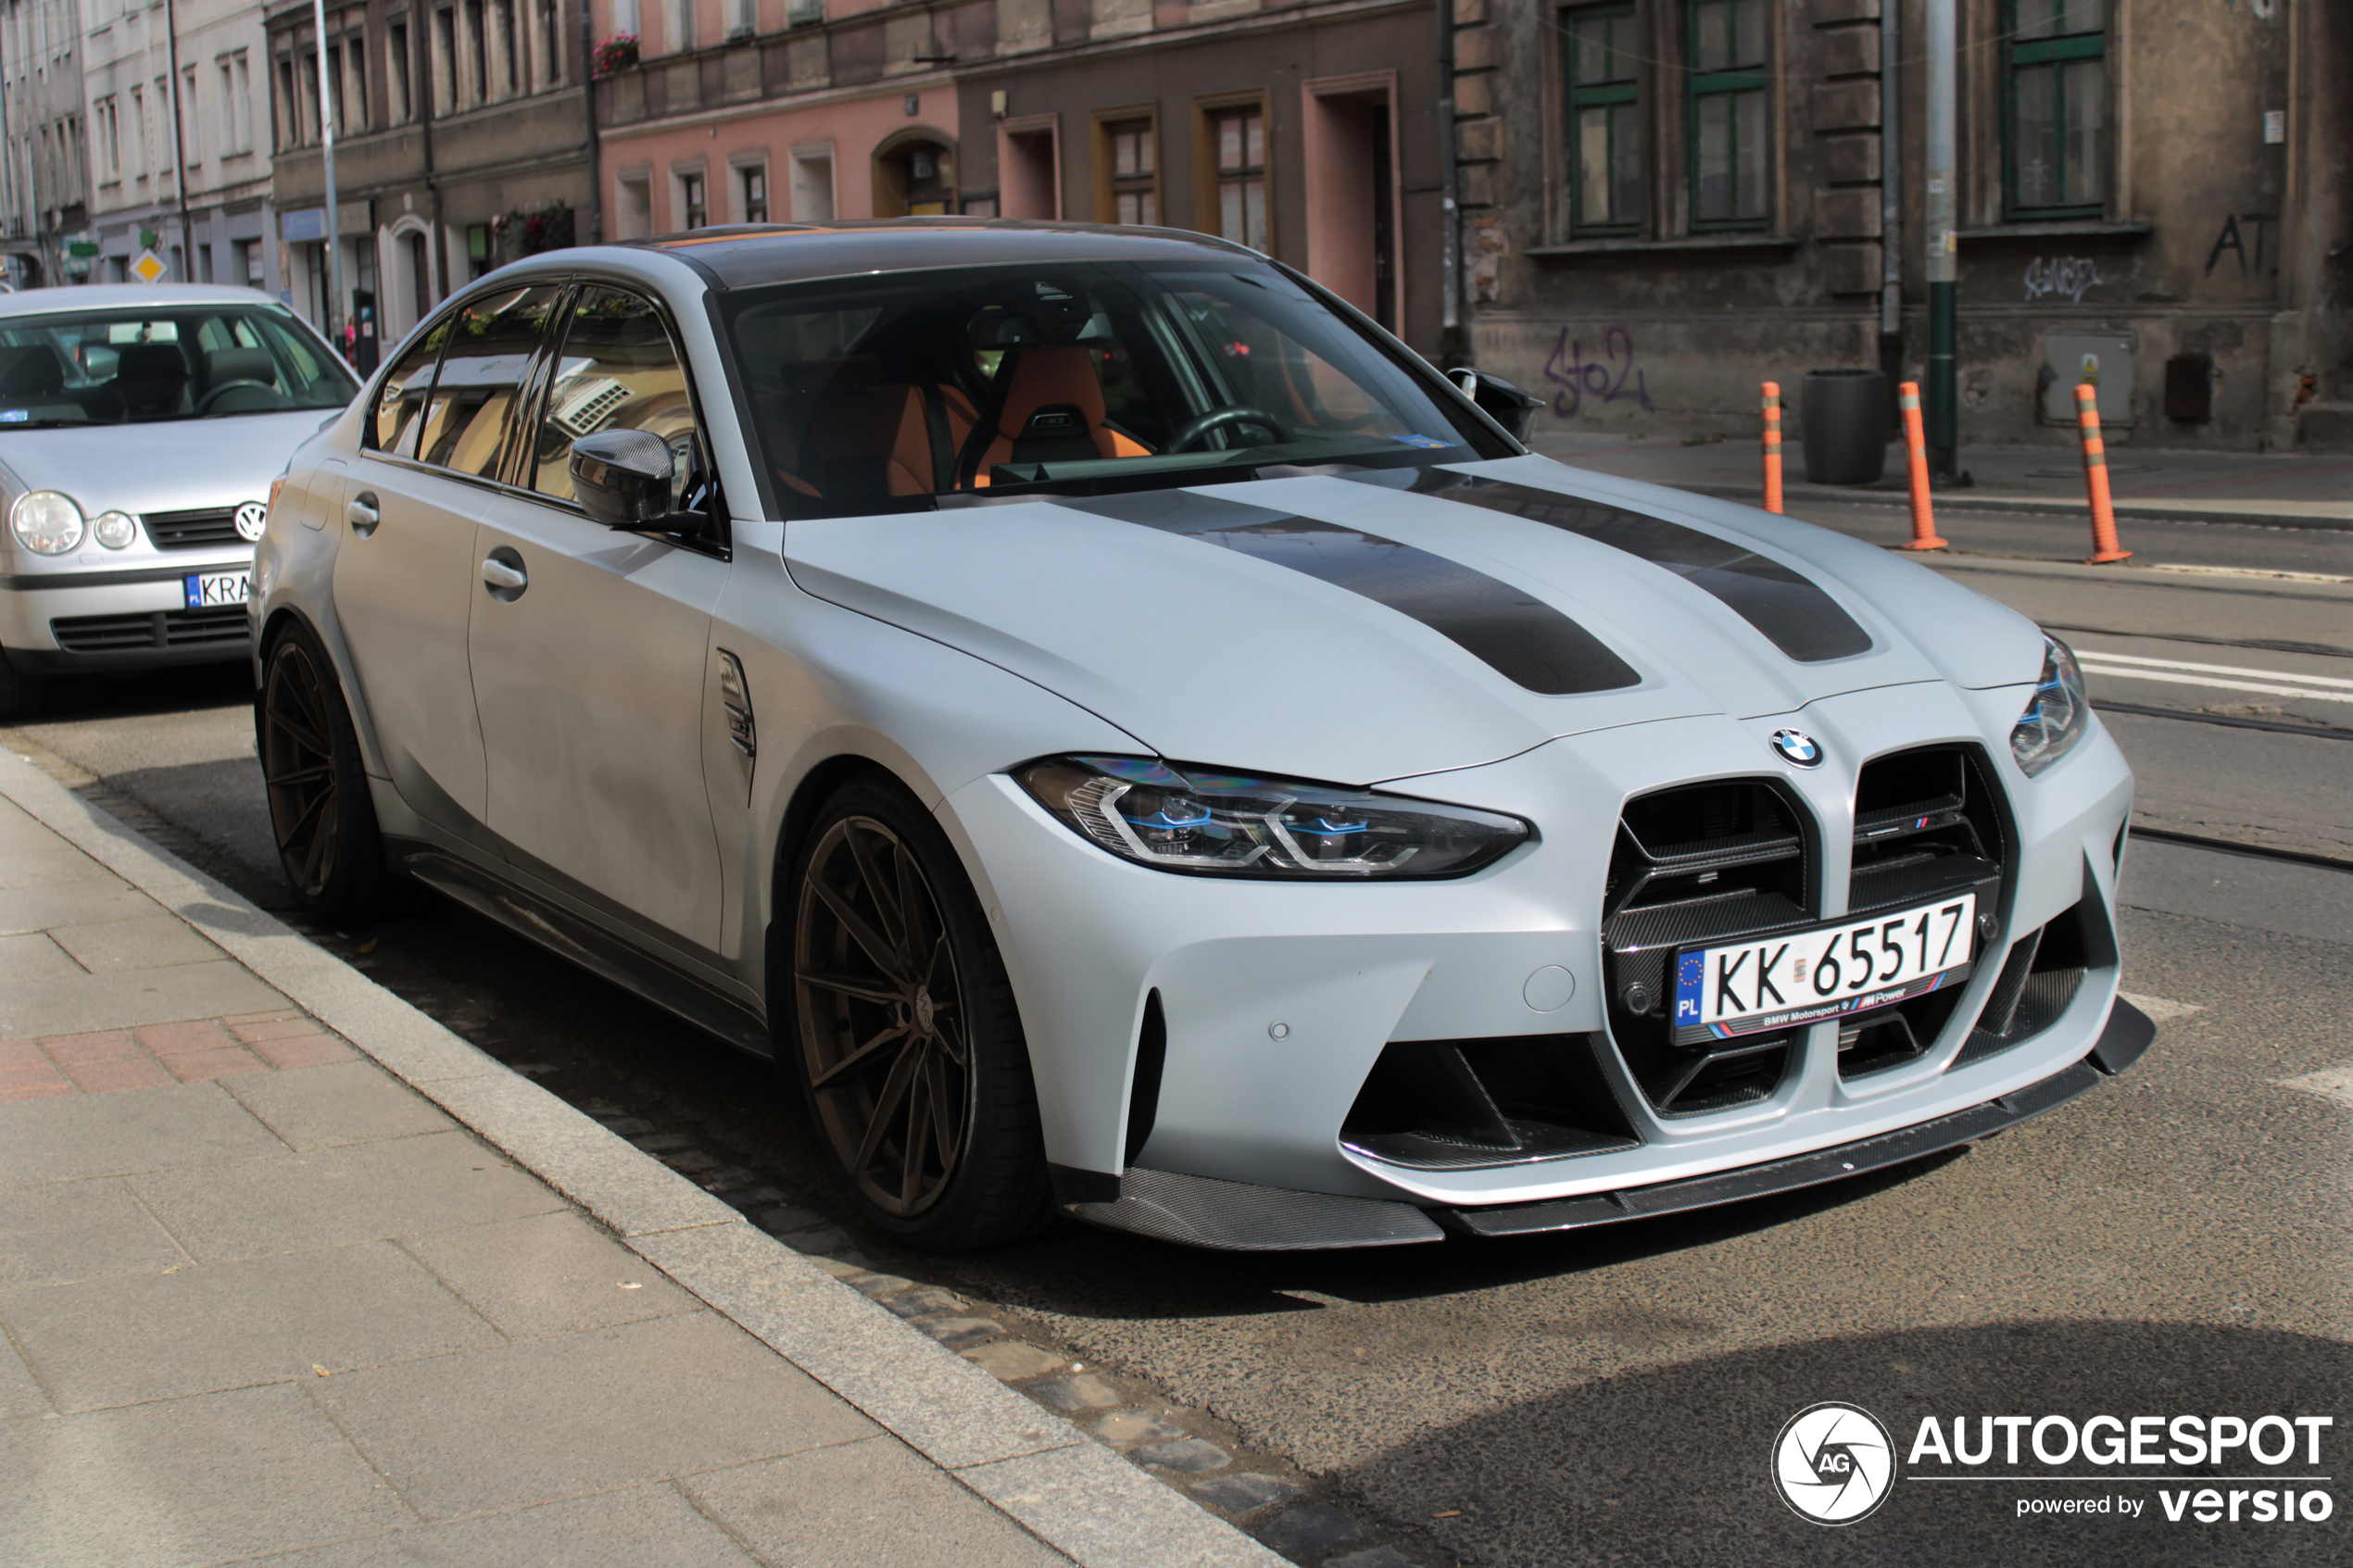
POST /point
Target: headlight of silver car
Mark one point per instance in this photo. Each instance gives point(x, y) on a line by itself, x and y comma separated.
point(2058, 717)
point(115, 530)
point(1183, 818)
point(46, 523)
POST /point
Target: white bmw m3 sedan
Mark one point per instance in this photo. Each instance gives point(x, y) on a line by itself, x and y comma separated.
point(1134, 742)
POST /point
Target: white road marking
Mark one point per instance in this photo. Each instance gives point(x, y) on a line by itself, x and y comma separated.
point(2092, 666)
point(2253, 572)
point(2159, 1009)
point(2329, 1083)
point(2215, 668)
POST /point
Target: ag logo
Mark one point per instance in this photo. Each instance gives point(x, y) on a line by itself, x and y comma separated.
point(1835, 1464)
point(252, 518)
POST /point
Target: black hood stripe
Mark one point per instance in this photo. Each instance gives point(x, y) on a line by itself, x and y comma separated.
point(1790, 611)
point(1520, 637)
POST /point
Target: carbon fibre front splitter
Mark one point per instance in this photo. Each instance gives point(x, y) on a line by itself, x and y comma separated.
point(2128, 1034)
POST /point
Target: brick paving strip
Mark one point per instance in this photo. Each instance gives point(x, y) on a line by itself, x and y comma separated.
point(244, 1251)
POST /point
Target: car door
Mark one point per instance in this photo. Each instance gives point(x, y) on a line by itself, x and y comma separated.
point(407, 573)
point(588, 644)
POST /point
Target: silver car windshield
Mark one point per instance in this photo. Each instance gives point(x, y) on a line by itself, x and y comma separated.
point(130, 366)
point(930, 388)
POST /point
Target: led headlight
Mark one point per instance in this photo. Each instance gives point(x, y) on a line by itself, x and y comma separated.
point(46, 523)
point(1184, 818)
point(115, 530)
point(2058, 717)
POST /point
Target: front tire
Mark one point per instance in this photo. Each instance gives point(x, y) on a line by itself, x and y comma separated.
point(319, 809)
point(906, 1041)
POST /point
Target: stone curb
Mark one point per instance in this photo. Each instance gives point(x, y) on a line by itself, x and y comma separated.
point(2264, 514)
point(1060, 1484)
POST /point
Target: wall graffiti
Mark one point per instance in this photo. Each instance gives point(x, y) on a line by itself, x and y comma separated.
point(2066, 276)
point(1611, 378)
point(2231, 240)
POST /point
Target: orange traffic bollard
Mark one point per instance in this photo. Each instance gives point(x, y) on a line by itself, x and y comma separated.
point(1772, 446)
point(2105, 550)
point(1916, 455)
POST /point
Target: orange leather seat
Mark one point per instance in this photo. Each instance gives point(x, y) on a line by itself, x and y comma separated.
point(1052, 408)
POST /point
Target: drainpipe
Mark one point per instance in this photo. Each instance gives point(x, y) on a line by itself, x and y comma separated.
point(421, 96)
point(327, 137)
point(1450, 241)
point(589, 105)
point(1944, 260)
point(178, 150)
point(1891, 196)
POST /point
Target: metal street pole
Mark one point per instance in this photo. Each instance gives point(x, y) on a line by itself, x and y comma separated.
point(1944, 271)
point(327, 134)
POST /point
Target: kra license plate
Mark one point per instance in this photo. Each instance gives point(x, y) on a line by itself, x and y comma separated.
point(1829, 972)
point(207, 590)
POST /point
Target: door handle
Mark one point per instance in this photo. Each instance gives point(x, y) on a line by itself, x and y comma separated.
point(506, 579)
point(360, 513)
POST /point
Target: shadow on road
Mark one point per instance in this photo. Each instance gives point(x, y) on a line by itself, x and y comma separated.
point(1673, 1465)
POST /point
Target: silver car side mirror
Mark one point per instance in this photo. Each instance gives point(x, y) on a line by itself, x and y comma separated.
point(1512, 407)
point(622, 478)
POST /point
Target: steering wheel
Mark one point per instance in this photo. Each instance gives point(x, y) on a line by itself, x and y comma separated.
point(1218, 419)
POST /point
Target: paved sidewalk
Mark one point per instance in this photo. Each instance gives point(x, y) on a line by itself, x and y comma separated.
point(2295, 492)
point(292, 1274)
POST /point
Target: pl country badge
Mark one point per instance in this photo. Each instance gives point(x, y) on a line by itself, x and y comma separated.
point(1835, 1464)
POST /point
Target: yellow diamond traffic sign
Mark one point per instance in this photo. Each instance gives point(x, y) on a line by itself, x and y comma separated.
point(148, 267)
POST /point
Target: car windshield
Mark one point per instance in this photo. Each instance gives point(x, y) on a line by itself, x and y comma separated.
point(131, 366)
point(945, 387)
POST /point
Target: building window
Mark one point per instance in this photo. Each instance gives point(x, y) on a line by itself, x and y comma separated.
point(755, 184)
point(403, 105)
point(190, 119)
point(1239, 139)
point(289, 105)
point(334, 87)
point(477, 87)
point(1727, 53)
point(1605, 121)
point(109, 139)
point(2055, 87)
point(636, 206)
point(551, 44)
point(356, 56)
point(445, 60)
point(509, 48)
point(692, 205)
point(1135, 175)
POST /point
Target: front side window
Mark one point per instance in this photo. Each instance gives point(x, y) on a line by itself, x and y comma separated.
point(397, 419)
point(491, 341)
point(1239, 139)
point(129, 366)
point(1726, 48)
point(2054, 149)
point(616, 370)
point(886, 393)
point(1605, 121)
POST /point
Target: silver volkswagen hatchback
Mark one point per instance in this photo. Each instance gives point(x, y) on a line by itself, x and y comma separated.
point(141, 428)
point(1136, 741)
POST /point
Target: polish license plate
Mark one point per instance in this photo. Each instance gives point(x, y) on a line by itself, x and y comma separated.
point(208, 590)
point(1832, 972)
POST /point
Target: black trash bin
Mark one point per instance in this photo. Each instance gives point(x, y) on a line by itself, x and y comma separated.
point(1842, 420)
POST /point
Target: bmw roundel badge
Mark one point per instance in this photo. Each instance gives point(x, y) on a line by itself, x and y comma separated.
point(1798, 748)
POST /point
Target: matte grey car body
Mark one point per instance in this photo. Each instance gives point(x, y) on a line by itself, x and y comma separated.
point(617, 741)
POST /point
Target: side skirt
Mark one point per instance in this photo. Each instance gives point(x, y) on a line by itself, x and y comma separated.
point(590, 945)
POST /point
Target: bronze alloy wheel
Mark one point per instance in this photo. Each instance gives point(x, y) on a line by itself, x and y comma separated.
point(885, 1040)
point(320, 812)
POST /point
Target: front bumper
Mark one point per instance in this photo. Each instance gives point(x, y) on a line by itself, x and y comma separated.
point(1224, 1031)
point(131, 617)
point(1233, 1216)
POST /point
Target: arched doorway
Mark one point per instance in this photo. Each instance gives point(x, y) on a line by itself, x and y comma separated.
point(916, 175)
